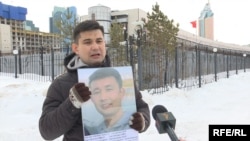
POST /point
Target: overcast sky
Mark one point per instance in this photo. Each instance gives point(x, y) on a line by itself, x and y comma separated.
point(231, 17)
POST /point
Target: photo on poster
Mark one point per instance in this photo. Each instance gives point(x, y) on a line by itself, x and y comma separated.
point(105, 116)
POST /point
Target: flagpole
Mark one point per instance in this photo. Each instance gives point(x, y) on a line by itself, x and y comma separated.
point(196, 30)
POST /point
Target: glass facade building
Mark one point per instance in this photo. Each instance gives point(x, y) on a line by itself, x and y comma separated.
point(56, 15)
point(102, 14)
point(206, 22)
point(29, 25)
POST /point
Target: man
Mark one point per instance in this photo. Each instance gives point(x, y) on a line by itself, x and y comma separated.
point(61, 113)
point(107, 94)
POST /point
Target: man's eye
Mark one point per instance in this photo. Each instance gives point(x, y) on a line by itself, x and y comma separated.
point(110, 89)
point(100, 41)
point(96, 92)
point(87, 43)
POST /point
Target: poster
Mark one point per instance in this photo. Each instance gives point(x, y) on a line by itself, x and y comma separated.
point(105, 116)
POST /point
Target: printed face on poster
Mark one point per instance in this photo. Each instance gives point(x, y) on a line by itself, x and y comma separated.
point(112, 102)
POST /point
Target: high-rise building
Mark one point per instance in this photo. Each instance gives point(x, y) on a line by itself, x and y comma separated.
point(59, 14)
point(206, 23)
point(29, 25)
point(56, 15)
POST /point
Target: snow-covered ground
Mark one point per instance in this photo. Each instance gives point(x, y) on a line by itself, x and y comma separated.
point(215, 103)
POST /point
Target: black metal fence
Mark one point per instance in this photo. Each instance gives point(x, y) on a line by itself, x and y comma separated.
point(190, 65)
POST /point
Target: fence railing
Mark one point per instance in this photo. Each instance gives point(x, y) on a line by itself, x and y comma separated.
point(190, 65)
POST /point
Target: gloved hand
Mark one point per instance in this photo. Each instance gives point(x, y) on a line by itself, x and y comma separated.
point(78, 94)
point(137, 122)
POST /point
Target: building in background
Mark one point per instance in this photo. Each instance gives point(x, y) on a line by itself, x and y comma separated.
point(206, 23)
point(102, 14)
point(105, 16)
point(11, 20)
point(17, 33)
point(59, 14)
point(130, 19)
point(5, 39)
point(29, 25)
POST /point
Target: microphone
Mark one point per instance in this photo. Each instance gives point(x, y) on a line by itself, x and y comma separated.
point(164, 121)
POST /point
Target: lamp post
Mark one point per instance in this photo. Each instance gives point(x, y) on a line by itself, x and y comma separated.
point(15, 52)
point(244, 55)
point(139, 54)
point(19, 60)
point(126, 40)
point(215, 63)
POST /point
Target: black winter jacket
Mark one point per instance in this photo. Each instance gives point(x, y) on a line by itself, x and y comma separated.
point(59, 116)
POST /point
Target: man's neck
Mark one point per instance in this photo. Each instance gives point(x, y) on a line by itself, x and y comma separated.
point(111, 121)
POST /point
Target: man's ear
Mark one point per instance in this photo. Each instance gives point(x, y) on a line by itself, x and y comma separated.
point(74, 47)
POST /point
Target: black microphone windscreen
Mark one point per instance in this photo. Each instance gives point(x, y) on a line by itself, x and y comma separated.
point(158, 109)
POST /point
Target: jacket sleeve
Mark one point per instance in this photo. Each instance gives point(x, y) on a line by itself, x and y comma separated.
point(142, 107)
point(58, 113)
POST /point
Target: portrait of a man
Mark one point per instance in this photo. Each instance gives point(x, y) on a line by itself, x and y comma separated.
point(112, 97)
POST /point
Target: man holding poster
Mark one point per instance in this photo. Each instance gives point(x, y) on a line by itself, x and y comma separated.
point(61, 111)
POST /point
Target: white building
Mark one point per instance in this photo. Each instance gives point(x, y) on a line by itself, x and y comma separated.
point(5, 38)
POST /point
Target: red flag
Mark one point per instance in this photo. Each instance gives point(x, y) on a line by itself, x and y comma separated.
point(193, 24)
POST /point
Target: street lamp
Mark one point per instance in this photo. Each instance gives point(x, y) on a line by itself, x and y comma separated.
point(15, 52)
point(126, 40)
point(244, 55)
point(215, 63)
point(215, 50)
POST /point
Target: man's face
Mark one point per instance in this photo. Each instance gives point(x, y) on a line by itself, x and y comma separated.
point(91, 47)
point(107, 96)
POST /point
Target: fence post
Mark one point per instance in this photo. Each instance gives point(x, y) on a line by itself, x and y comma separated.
point(227, 66)
point(230, 61)
point(215, 63)
point(199, 65)
point(15, 52)
point(52, 64)
point(41, 53)
point(176, 67)
point(236, 63)
point(244, 57)
point(19, 61)
point(131, 38)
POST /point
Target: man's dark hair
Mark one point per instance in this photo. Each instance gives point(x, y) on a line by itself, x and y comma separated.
point(106, 72)
point(86, 26)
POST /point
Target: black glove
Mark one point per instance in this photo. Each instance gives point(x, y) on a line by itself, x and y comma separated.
point(78, 94)
point(137, 122)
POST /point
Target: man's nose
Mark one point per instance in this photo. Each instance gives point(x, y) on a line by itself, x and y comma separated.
point(94, 45)
point(103, 95)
